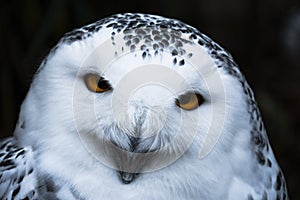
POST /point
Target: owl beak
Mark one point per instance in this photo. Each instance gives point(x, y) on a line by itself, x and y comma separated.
point(127, 177)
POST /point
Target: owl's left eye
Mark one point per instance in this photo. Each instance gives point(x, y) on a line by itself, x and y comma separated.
point(96, 83)
point(189, 101)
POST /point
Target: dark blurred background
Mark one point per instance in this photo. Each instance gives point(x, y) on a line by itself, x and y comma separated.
point(262, 35)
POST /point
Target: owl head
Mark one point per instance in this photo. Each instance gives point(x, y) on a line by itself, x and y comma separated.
point(135, 93)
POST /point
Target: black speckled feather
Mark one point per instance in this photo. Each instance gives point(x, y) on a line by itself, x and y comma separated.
point(17, 176)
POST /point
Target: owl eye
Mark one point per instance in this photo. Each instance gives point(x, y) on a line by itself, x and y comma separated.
point(189, 101)
point(96, 83)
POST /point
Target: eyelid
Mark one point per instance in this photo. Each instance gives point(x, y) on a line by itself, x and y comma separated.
point(83, 71)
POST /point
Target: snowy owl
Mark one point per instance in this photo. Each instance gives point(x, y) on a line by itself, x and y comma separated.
point(138, 106)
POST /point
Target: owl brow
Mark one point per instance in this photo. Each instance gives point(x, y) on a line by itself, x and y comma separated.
point(89, 70)
point(191, 90)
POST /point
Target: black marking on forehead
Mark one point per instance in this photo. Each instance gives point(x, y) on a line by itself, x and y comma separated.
point(155, 33)
point(156, 39)
point(149, 32)
point(127, 23)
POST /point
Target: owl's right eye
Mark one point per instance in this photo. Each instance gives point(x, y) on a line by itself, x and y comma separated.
point(96, 83)
point(189, 100)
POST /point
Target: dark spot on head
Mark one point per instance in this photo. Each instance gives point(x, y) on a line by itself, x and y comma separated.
point(143, 47)
point(161, 45)
point(110, 25)
point(22, 152)
point(174, 52)
point(155, 32)
point(15, 192)
point(189, 55)
point(269, 163)
point(23, 125)
point(165, 42)
point(163, 26)
point(127, 37)
point(166, 36)
point(144, 55)
point(155, 46)
point(258, 139)
point(278, 183)
point(174, 61)
point(147, 37)
point(181, 62)
point(4, 144)
point(200, 43)
point(136, 40)
point(193, 36)
point(157, 38)
point(128, 43)
point(30, 171)
point(140, 31)
point(182, 51)
point(260, 158)
point(148, 41)
point(6, 163)
point(20, 179)
point(178, 44)
point(132, 48)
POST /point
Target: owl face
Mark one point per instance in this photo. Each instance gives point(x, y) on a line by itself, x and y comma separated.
point(136, 94)
point(146, 106)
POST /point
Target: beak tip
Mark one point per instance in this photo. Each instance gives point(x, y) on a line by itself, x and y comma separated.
point(126, 177)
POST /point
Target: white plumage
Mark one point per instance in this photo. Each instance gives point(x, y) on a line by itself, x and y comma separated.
point(139, 106)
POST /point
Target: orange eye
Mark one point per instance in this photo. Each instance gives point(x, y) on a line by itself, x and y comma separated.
point(189, 101)
point(96, 83)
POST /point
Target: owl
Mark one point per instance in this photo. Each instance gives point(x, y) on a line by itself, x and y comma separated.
point(139, 106)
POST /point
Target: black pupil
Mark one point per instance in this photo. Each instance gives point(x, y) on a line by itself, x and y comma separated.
point(103, 84)
point(184, 99)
